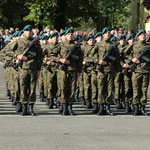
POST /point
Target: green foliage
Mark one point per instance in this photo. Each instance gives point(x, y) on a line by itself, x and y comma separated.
point(146, 4)
point(74, 13)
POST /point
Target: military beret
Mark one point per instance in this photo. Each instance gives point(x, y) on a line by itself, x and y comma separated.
point(62, 33)
point(44, 37)
point(122, 37)
point(15, 34)
point(131, 36)
point(27, 27)
point(140, 32)
point(89, 37)
point(98, 34)
point(54, 34)
point(113, 39)
point(20, 32)
point(70, 30)
point(106, 29)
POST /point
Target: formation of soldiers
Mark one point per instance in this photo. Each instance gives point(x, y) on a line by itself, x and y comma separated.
point(98, 70)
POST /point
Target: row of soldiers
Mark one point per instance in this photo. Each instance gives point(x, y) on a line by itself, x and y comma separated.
point(97, 72)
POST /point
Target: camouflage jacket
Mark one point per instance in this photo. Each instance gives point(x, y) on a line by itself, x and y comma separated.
point(34, 55)
point(76, 57)
point(104, 46)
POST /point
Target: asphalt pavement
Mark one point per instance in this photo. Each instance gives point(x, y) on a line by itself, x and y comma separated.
point(84, 131)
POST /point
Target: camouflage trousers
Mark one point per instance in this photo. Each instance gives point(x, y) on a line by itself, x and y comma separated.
point(105, 87)
point(28, 80)
point(140, 82)
point(90, 86)
point(67, 86)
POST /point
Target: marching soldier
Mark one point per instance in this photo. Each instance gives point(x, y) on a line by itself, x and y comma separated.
point(69, 71)
point(51, 61)
point(30, 66)
point(90, 74)
point(140, 76)
point(107, 68)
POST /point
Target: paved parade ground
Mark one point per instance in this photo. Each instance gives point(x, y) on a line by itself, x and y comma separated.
point(84, 131)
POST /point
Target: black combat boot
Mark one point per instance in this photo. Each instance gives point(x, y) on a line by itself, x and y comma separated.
point(143, 112)
point(118, 104)
point(76, 97)
point(60, 108)
point(102, 110)
point(108, 112)
point(31, 111)
point(42, 97)
point(136, 110)
point(8, 93)
point(65, 110)
point(19, 107)
point(123, 104)
point(50, 103)
point(70, 110)
point(24, 110)
point(95, 111)
point(88, 104)
point(128, 108)
point(82, 99)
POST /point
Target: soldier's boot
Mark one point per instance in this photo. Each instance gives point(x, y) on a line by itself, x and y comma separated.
point(143, 112)
point(19, 107)
point(118, 104)
point(136, 110)
point(24, 110)
point(65, 110)
point(101, 110)
point(70, 110)
point(31, 111)
point(76, 97)
point(128, 108)
point(114, 101)
point(14, 103)
point(82, 99)
point(60, 108)
point(95, 111)
point(108, 111)
point(8, 93)
point(88, 104)
point(42, 97)
point(48, 102)
point(123, 104)
point(51, 103)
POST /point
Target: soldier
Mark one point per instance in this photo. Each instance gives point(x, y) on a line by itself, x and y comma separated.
point(89, 73)
point(41, 80)
point(68, 71)
point(128, 90)
point(51, 61)
point(29, 69)
point(98, 37)
point(140, 77)
point(119, 79)
point(107, 69)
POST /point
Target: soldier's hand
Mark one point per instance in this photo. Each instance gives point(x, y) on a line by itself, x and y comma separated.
point(50, 63)
point(85, 63)
point(21, 57)
point(64, 61)
point(135, 60)
point(101, 62)
point(125, 66)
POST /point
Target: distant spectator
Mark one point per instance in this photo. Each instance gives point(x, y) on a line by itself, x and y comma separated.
point(6, 37)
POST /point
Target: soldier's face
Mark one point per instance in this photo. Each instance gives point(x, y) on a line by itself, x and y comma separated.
point(107, 35)
point(99, 38)
point(28, 33)
point(131, 41)
point(90, 41)
point(142, 37)
point(54, 39)
point(122, 42)
point(69, 36)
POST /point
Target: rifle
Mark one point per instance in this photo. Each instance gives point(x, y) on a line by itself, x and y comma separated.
point(63, 66)
point(132, 65)
point(19, 63)
point(107, 56)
